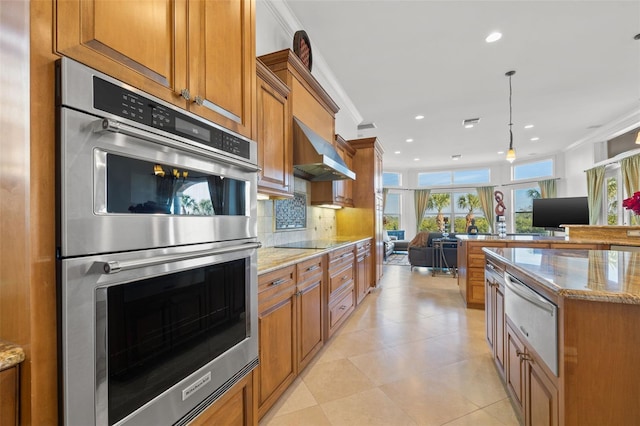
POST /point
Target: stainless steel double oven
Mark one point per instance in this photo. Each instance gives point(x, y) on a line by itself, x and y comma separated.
point(157, 246)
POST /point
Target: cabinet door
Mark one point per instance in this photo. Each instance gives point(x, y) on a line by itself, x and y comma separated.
point(275, 148)
point(514, 372)
point(542, 397)
point(499, 330)
point(489, 315)
point(361, 279)
point(149, 53)
point(234, 408)
point(310, 336)
point(276, 334)
point(222, 62)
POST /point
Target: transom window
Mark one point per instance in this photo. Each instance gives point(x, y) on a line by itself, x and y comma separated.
point(456, 177)
point(391, 179)
point(538, 169)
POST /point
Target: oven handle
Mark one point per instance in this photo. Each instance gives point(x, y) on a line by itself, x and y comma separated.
point(110, 125)
point(115, 266)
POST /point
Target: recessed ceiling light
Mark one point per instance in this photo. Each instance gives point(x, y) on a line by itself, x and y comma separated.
point(529, 126)
point(494, 36)
point(397, 152)
point(419, 117)
point(416, 159)
point(500, 152)
point(470, 122)
point(535, 139)
point(409, 140)
point(456, 157)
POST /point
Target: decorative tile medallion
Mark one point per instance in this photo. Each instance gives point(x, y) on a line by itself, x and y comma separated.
point(291, 213)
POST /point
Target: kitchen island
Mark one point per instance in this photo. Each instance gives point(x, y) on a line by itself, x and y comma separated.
point(582, 369)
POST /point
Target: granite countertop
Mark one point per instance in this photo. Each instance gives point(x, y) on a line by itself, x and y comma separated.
point(10, 355)
point(599, 275)
point(272, 258)
point(536, 238)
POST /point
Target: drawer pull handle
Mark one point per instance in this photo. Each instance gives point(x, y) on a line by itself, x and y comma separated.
point(345, 277)
point(312, 268)
point(343, 307)
point(490, 266)
point(278, 282)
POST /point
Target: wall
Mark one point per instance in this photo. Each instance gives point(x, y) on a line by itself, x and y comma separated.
point(321, 222)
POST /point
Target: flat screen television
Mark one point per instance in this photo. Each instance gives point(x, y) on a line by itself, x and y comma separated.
point(550, 213)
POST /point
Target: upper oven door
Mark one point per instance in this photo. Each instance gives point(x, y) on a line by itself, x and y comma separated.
point(124, 188)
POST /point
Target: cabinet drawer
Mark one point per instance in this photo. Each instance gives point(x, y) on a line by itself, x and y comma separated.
point(340, 257)
point(573, 246)
point(476, 294)
point(363, 247)
point(476, 275)
point(477, 248)
point(276, 286)
point(339, 278)
point(341, 307)
point(309, 269)
point(495, 267)
point(476, 261)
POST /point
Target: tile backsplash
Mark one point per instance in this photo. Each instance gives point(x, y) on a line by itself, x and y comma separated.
point(321, 222)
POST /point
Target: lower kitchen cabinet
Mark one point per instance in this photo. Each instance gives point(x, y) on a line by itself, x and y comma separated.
point(277, 335)
point(531, 389)
point(494, 313)
point(9, 379)
point(363, 270)
point(234, 408)
point(341, 298)
point(309, 310)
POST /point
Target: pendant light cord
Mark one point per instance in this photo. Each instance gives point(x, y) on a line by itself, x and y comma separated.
point(510, 119)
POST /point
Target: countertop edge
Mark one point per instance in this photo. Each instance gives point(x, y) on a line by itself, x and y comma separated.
point(10, 355)
point(294, 256)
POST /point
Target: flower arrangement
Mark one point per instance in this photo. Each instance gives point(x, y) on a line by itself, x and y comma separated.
point(632, 203)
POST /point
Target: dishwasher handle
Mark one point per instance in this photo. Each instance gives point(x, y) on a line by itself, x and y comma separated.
point(521, 290)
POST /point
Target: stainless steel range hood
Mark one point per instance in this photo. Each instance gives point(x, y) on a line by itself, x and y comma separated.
point(314, 158)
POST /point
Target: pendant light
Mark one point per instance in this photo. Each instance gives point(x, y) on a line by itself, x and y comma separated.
point(511, 154)
point(638, 138)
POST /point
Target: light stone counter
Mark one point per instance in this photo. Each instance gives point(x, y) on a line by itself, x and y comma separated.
point(10, 355)
point(598, 275)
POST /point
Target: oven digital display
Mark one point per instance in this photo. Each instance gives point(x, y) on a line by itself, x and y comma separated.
point(192, 130)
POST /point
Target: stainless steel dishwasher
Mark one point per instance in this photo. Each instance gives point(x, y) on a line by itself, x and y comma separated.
point(535, 317)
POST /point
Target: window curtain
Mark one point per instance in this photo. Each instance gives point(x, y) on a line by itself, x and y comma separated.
point(595, 191)
point(548, 188)
point(385, 192)
point(630, 167)
point(485, 194)
point(421, 199)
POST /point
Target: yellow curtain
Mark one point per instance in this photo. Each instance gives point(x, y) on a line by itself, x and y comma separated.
point(548, 188)
point(595, 191)
point(630, 167)
point(421, 198)
point(485, 195)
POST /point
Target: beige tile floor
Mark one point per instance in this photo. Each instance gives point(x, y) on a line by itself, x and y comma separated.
point(410, 354)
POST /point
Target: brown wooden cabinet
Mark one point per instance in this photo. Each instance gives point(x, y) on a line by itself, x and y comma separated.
point(277, 335)
point(9, 382)
point(234, 408)
point(363, 270)
point(309, 310)
point(532, 390)
point(341, 298)
point(273, 134)
point(194, 54)
point(366, 218)
point(337, 192)
point(494, 312)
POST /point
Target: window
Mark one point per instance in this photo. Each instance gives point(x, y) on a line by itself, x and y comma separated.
point(455, 213)
point(523, 214)
point(391, 179)
point(391, 217)
point(611, 188)
point(456, 177)
point(538, 169)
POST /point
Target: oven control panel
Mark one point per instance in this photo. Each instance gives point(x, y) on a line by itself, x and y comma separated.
point(124, 103)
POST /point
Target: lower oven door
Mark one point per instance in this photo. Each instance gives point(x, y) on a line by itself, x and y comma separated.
point(150, 337)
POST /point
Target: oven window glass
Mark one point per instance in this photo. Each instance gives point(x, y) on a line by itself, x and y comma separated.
point(138, 186)
point(162, 329)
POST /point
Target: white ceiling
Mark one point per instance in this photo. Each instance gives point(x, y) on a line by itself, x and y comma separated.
point(577, 66)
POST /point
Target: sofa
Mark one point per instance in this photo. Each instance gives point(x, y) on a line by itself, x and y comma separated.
point(423, 255)
point(389, 245)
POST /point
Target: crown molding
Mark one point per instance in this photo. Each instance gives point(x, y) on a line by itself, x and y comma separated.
point(626, 122)
point(289, 23)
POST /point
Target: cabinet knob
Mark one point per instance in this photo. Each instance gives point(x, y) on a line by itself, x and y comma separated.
point(185, 94)
point(198, 100)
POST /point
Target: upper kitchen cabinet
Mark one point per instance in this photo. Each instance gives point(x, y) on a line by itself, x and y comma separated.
point(198, 55)
point(273, 134)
